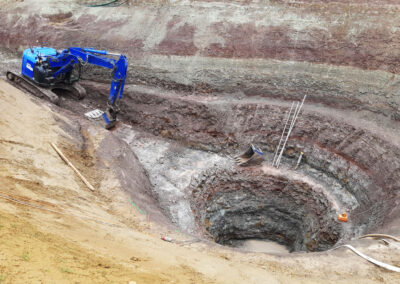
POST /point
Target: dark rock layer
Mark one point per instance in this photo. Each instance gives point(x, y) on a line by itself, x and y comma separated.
point(243, 204)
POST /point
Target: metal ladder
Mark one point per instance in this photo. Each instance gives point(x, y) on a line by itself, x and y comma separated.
point(287, 129)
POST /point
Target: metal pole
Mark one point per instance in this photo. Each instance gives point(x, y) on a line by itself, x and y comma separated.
point(283, 133)
point(297, 111)
point(287, 136)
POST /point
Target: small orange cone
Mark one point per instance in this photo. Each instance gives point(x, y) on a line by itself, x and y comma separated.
point(342, 217)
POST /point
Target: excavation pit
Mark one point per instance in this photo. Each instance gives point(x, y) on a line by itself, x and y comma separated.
point(246, 204)
point(347, 167)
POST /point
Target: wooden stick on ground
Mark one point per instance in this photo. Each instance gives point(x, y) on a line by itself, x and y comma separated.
point(72, 166)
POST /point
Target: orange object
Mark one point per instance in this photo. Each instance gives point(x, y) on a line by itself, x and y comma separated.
point(167, 239)
point(342, 217)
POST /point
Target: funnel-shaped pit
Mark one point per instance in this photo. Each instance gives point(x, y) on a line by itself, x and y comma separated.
point(260, 203)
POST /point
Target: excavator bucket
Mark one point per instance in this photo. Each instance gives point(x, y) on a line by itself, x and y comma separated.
point(104, 118)
point(251, 152)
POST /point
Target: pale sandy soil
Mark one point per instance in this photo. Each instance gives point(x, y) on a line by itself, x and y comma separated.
point(263, 246)
point(69, 234)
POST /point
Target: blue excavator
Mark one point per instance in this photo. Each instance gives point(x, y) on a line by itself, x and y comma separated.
point(45, 69)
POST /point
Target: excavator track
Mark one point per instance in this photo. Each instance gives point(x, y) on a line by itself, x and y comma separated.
point(25, 84)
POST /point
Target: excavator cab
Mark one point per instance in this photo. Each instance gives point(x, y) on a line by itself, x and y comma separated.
point(35, 66)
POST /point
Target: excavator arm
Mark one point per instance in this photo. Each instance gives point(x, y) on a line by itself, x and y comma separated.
point(76, 55)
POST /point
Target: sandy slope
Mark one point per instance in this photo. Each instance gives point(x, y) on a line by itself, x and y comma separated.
point(38, 245)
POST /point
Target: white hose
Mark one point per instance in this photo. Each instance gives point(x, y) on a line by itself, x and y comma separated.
point(380, 236)
point(370, 259)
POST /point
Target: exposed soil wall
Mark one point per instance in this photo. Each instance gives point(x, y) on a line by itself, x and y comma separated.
point(115, 156)
point(338, 53)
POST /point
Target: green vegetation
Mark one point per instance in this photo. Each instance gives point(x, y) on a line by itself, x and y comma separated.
point(26, 256)
point(66, 270)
